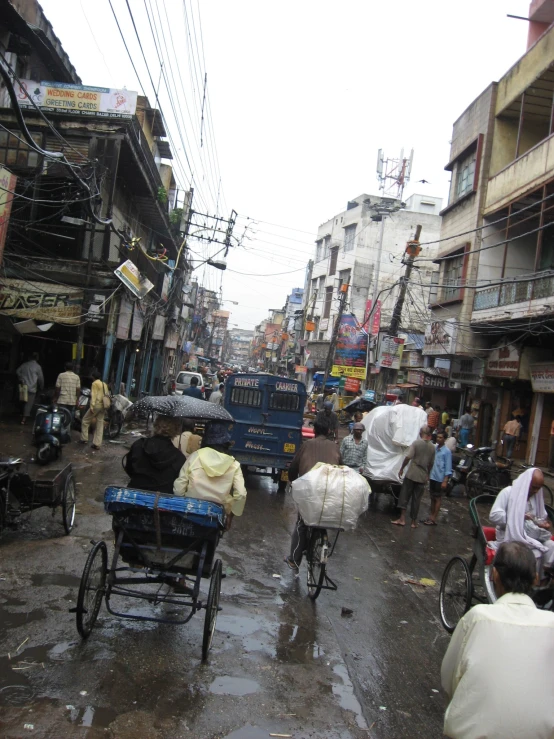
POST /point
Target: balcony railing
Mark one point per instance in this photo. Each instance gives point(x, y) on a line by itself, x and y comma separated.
point(535, 288)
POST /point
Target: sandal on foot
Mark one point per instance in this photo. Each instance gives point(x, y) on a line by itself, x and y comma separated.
point(291, 563)
point(428, 522)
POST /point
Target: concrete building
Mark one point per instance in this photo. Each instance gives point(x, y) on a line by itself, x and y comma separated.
point(493, 314)
point(241, 340)
point(61, 249)
point(349, 250)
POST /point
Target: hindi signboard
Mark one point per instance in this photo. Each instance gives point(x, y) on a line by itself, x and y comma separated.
point(391, 352)
point(504, 362)
point(133, 279)
point(542, 377)
point(83, 100)
point(7, 188)
point(351, 351)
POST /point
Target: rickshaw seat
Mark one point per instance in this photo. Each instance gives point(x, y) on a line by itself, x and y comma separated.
point(489, 555)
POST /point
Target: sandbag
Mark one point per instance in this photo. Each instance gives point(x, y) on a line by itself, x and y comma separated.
point(331, 496)
point(389, 431)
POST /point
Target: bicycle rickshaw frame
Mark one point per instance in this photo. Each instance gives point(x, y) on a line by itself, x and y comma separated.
point(457, 590)
point(187, 556)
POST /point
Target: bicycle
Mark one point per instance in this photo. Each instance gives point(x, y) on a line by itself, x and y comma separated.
point(318, 552)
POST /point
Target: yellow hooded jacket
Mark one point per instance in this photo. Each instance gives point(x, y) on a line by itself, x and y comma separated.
point(211, 475)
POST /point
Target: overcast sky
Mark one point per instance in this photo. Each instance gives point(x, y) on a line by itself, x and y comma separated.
point(301, 95)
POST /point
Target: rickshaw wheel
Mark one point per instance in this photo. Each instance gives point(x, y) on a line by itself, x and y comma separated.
point(316, 567)
point(91, 590)
point(476, 482)
point(212, 607)
point(455, 593)
point(68, 504)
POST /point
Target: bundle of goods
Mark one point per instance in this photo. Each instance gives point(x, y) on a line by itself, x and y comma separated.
point(331, 497)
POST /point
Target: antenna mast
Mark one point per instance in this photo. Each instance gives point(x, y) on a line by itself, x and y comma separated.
point(393, 174)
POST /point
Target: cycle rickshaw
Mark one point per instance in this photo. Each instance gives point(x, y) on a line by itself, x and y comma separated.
point(466, 583)
point(163, 546)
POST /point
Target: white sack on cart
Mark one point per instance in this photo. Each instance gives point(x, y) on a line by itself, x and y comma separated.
point(389, 431)
point(331, 496)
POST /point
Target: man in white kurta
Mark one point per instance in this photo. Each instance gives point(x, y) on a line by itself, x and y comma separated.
point(498, 670)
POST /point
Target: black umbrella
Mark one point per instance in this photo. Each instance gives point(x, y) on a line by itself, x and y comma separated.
point(182, 406)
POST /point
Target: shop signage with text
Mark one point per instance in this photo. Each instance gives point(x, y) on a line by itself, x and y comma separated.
point(440, 337)
point(43, 301)
point(503, 362)
point(104, 102)
point(542, 377)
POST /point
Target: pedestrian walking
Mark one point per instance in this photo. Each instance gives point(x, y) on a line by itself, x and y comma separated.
point(439, 477)
point(428, 408)
point(467, 422)
point(353, 449)
point(217, 395)
point(420, 456)
point(98, 392)
point(512, 430)
point(193, 390)
point(433, 418)
point(330, 417)
point(68, 387)
point(31, 380)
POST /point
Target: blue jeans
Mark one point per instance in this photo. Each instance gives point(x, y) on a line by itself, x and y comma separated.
point(464, 437)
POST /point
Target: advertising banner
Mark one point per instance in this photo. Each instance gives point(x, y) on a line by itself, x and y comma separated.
point(391, 352)
point(372, 327)
point(42, 301)
point(83, 100)
point(132, 279)
point(352, 385)
point(340, 371)
point(440, 337)
point(7, 186)
point(351, 351)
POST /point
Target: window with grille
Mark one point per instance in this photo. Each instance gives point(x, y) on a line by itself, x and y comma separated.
point(328, 301)
point(321, 288)
point(16, 153)
point(465, 175)
point(333, 260)
point(284, 402)
point(349, 236)
point(319, 251)
point(344, 277)
point(327, 246)
point(246, 396)
point(314, 288)
point(451, 277)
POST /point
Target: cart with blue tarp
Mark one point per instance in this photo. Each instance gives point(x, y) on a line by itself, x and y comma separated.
point(164, 546)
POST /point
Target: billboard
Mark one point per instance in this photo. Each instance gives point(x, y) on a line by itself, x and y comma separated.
point(133, 279)
point(391, 352)
point(351, 351)
point(43, 301)
point(83, 100)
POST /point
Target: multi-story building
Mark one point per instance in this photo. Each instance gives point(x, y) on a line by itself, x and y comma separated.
point(363, 246)
point(105, 207)
point(493, 313)
point(241, 340)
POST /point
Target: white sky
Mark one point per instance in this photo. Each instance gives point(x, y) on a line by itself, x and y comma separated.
point(302, 94)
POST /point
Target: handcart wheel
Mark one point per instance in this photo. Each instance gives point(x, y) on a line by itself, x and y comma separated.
point(455, 593)
point(68, 504)
point(91, 590)
point(212, 606)
point(476, 482)
point(317, 562)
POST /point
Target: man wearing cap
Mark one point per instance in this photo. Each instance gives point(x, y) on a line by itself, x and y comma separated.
point(353, 449)
point(213, 474)
point(330, 418)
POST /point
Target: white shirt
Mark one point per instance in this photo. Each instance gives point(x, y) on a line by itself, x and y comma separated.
point(499, 672)
point(498, 513)
point(451, 443)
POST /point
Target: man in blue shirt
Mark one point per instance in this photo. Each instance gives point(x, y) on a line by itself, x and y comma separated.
point(438, 479)
point(193, 390)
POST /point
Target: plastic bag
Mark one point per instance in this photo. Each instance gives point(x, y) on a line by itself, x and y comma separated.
point(390, 430)
point(331, 496)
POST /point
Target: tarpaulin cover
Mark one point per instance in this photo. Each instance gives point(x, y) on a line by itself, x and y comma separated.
point(331, 496)
point(389, 432)
point(202, 512)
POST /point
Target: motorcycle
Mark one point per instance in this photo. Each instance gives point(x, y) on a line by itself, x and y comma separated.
point(51, 429)
point(113, 417)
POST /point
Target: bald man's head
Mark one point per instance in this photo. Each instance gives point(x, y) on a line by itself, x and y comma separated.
point(537, 481)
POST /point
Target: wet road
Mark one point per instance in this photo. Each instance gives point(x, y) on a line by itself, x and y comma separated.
point(279, 664)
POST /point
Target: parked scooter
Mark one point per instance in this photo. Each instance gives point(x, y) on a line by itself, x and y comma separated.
point(51, 429)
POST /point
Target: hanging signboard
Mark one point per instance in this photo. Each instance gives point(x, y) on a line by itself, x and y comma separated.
point(372, 325)
point(300, 369)
point(391, 352)
point(503, 362)
point(138, 322)
point(468, 371)
point(7, 187)
point(82, 100)
point(43, 301)
point(340, 371)
point(351, 351)
point(542, 377)
point(352, 385)
point(133, 279)
point(440, 337)
point(159, 328)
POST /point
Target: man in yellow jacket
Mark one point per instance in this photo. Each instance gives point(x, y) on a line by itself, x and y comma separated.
point(213, 474)
point(96, 411)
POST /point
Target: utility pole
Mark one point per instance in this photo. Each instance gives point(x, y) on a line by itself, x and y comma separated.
point(333, 345)
point(387, 374)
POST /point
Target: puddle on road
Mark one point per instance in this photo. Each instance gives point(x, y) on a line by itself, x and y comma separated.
point(65, 581)
point(240, 625)
point(95, 716)
point(345, 694)
point(11, 620)
point(228, 685)
point(297, 644)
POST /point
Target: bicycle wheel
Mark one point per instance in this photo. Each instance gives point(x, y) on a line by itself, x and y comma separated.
point(455, 593)
point(475, 482)
point(212, 607)
point(68, 504)
point(317, 561)
point(548, 497)
point(91, 589)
